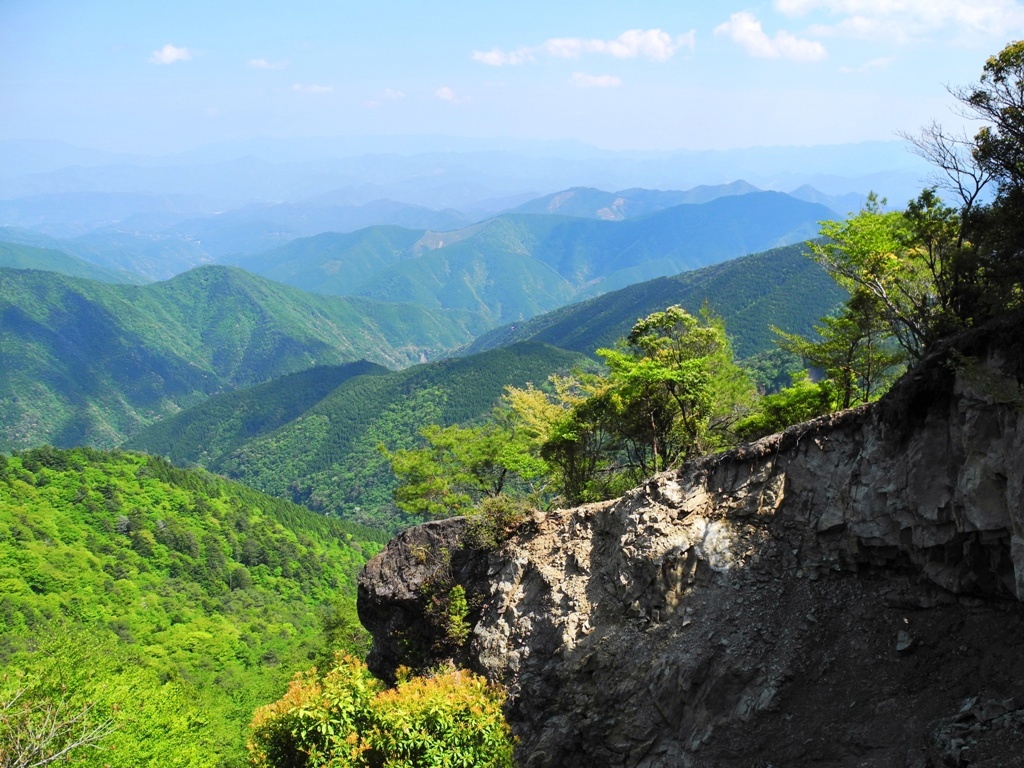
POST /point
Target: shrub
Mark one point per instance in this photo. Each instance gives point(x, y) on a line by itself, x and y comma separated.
point(347, 720)
point(494, 521)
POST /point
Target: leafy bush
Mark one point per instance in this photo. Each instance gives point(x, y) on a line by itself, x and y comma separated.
point(802, 401)
point(493, 521)
point(346, 719)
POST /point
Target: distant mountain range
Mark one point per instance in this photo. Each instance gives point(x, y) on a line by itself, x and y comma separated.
point(443, 172)
point(86, 357)
point(590, 203)
point(515, 266)
point(147, 237)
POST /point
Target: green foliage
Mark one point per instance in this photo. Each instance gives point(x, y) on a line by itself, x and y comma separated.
point(190, 597)
point(853, 350)
point(802, 401)
point(459, 466)
point(997, 98)
point(994, 281)
point(463, 467)
point(905, 261)
point(40, 725)
point(347, 719)
point(670, 391)
point(659, 387)
point(565, 427)
point(456, 615)
point(493, 521)
point(674, 389)
point(78, 686)
point(772, 370)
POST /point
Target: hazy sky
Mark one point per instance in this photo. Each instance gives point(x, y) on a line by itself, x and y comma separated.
point(160, 76)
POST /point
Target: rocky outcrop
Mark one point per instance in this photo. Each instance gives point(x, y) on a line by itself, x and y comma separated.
point(848, 592)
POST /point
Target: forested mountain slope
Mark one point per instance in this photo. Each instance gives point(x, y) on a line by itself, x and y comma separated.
point(175, 601)
point(83, 362)
point(327, 456)
point(204, 433)
point(781, 287)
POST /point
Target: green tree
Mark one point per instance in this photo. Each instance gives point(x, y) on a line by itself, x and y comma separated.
point(909, 262)
point(988, 274)
point(801, 401)
point(674, 387)
point(671, 390)
point(853, 350)
point(998, 98)
point(459, 466)
point(578, 442)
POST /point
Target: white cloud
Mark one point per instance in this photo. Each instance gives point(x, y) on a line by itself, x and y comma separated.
point(388, 94)
point(264, 64)
point(497, 57)
point(653, 44)
point(905, 19)
point(312, 88)
point(745, 30)
point(170, 54)
point(583, 80)
point(445, 93)
point(868, 66)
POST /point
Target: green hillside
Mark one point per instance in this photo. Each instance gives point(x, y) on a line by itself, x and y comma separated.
point(332, 262)
point(514, 266)
point(327, 457)
point(489, 277)
point(83, 362)
point(780, 287)
point(176, 601)
point(17, 256)
point(205, 433)
point(135, 257)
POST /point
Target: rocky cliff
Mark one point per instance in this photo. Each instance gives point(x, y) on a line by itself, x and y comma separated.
point(847, 593)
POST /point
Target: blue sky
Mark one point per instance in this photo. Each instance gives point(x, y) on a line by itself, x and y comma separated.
point(158, 77)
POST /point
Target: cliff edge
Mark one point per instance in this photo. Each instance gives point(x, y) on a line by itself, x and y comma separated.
point(849, 592)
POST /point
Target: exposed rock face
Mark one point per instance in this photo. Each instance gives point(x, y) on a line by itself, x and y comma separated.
point(846, 593)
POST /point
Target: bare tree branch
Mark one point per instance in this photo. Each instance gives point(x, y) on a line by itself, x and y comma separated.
point(33, 735)
point(953, 156)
